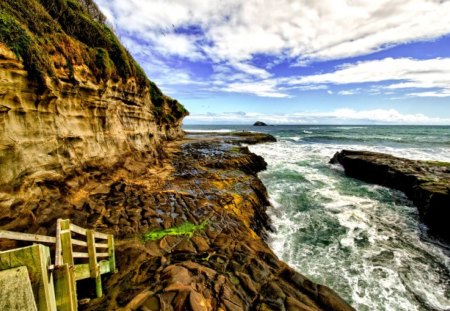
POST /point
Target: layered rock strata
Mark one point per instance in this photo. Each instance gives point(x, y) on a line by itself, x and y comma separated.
point(426, 183)
point(72, 102)
point(71, 96)
point(71, 126)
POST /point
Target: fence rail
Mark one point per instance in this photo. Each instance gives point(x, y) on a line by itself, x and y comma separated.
point(10, 235)
point(67, 267)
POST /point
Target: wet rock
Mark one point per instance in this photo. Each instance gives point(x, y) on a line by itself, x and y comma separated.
point(426, 183)
point(227, 265)
point(198, 303)
point(185, 246)
point(200, 243)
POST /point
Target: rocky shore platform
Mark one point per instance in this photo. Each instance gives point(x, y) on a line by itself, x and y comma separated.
point(224, 265)
point(426, 183)
point(190, 231)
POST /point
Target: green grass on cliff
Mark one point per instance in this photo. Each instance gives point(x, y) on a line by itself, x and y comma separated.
point(27, 24)
point(38, 31)
point(439, 163)
point(186, 228)
point(25, 46)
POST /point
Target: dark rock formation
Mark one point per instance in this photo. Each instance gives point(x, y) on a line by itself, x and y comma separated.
point(426, 183)
point(249, 138)
point(228, 266)
point(259, 123)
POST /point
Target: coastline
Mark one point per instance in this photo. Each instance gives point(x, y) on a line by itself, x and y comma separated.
point(426, 183)
point(206, 188)
point(228, 265)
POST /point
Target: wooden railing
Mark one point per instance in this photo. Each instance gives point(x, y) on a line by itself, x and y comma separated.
point(79, 254)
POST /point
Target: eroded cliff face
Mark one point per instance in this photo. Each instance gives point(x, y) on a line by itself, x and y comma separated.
point(67, 100)
point(71, 124)
point(74, 105)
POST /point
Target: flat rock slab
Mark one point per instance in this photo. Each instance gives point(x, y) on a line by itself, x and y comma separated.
point(426, 183)
point(16, 293)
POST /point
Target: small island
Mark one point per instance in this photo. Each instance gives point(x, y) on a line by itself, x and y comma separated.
point(259, 123)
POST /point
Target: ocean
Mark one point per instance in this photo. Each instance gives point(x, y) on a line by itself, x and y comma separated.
point(364, 241)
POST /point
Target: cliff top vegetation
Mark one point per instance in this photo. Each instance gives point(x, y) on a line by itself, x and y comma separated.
point(42, 31)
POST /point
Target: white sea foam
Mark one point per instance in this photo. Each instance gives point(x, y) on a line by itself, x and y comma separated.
point(294, 138)
point(361, 240)
point(208, 131)
point(350, 127)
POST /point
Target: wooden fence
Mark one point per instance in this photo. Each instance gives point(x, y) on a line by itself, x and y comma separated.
point(79, 254)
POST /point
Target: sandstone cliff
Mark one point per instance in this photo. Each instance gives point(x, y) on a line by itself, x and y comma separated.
point(71, 96)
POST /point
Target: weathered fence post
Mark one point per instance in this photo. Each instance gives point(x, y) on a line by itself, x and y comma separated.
point(93, 266)
point(67, 257)
point(65, 289)
point(64, 271)
point(111, 253)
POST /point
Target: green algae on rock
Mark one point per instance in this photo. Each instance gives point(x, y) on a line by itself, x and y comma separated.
point(186, 228)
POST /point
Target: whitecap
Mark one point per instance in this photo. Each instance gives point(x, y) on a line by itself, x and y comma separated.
point(208, 131)
point(375, 258)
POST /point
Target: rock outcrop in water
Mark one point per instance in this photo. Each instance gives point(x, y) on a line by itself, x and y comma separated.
point(426, 183)
point(259, 123)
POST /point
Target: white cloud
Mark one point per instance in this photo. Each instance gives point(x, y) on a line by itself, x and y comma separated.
point(180, 45)
point(401, 73)
point(265, 88)
point(338, 116)
point(232, 32)
point(443, 93)
point(251, 70)
point(394, 73)
point(348, 92)
point(414, 70)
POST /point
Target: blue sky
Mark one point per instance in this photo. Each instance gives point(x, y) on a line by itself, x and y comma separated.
point(294, 61)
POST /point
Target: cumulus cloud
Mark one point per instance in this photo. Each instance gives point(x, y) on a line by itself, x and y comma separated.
point(399, 73)
point(232, 33)
point(338, 116)
point(326, 29)
point(266, 88)
point(441, 93)
point(348, 92)
point(417, 73)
